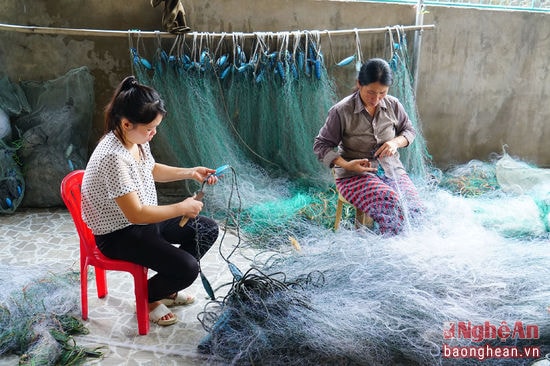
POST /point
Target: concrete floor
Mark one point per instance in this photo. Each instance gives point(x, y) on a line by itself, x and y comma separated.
point(48, 237)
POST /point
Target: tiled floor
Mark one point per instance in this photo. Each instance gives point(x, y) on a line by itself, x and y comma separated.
point(48, 237)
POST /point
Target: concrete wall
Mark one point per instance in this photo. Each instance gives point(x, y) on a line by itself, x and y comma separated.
point(483, 76)
point(484, 81)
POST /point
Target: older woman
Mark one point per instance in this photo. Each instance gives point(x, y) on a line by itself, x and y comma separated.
point(360, 140)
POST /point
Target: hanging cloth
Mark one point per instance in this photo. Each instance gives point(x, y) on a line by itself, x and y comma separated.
point(173, 16)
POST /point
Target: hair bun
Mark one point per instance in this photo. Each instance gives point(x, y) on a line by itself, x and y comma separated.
point(129, 82)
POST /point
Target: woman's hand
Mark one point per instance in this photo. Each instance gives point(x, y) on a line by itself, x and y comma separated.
point(359, 166)
point(388, 148)
point(201, 174)
point(190, 207)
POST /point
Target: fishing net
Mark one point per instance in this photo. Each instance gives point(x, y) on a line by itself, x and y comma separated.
point(489, 187)
point(54, 135)
point(528, 183)
point(13, 103)
point(354, 298)
point(12, 182)
point(415, 157)
point(254, 103)
point(12, 98)
point(37, 316)
point(5, 126)
point(472, 179)
point(346, 297)
point(358, 300)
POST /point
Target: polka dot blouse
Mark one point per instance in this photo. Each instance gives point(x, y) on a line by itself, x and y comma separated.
point(112, 172)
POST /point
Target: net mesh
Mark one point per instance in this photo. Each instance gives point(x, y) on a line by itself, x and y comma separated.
point(318, 296)
point(12, 182)
point(54, 135)
point(13, 103)
point(38, 318)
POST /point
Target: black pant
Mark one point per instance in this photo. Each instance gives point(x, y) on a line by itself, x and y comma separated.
point(152, 246)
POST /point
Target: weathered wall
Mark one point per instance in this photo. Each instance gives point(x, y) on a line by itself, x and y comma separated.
point(43, 57)
point(481, 84)
point(484, 82)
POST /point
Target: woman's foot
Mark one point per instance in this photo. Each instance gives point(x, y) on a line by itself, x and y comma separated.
point(177, 299)
point(160, 314)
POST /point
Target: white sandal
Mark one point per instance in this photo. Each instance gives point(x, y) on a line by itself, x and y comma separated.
point(159, 312)
point(180, 299)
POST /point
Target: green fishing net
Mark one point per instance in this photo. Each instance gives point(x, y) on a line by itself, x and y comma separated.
point(257, 103)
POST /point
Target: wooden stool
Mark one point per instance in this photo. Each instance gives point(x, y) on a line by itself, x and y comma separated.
point(361, 218)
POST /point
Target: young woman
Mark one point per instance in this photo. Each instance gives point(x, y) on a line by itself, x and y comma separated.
point(119, 201)
point(360, 140)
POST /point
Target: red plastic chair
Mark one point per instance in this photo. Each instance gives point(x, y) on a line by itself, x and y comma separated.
point(91, 256)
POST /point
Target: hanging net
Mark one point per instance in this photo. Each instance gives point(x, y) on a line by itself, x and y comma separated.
point(252, 102)
point(415, 157)
point(318, 296)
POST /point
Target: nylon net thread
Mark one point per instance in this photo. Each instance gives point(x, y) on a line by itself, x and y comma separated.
point(38, 317)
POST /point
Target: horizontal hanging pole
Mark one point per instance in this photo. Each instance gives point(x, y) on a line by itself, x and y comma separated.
point(153, 34)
